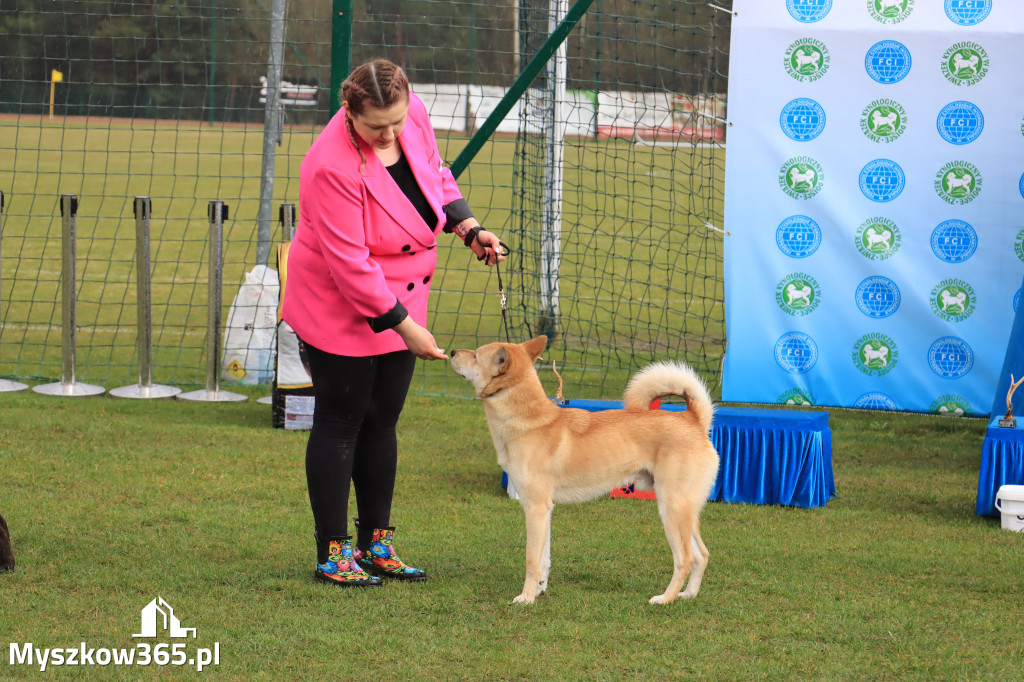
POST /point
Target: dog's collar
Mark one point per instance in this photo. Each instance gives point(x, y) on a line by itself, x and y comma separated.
point(489, 394)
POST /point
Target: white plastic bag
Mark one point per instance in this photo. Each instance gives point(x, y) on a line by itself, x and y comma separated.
point(250, 337)
point(291, 373)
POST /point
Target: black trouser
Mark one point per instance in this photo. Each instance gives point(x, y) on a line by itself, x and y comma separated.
point(358, 400)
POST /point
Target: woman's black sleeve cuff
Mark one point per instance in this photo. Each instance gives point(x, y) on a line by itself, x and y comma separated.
point(455, 213)
point(388, 319)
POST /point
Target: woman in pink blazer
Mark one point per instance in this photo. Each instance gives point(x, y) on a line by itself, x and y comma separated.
point(374, 194)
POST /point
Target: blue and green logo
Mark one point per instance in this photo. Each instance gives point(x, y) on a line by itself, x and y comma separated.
point(796, 396)
point(878, 238)
point(798, 294)
point(875, 354)
point(890, 11)
point(807, 60)
point(958, 183)
point(953, 300)
point(801, 177)
point(965, 63)
point(883, 120)
point(950, 405)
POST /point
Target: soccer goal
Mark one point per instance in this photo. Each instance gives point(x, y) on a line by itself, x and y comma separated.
point(617, 192)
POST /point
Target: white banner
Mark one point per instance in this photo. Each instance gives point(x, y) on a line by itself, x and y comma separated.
point(874, 201)
point(614, 113)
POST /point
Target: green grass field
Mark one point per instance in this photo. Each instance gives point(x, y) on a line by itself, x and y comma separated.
point(640, 275)
point(114, 503)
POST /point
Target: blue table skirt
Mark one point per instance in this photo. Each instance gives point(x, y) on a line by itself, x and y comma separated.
point(1002, 463)
point(781, 457)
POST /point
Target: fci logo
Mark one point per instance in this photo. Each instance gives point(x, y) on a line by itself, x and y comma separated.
point(796, 352)
point(950, 357)
point(968, 12)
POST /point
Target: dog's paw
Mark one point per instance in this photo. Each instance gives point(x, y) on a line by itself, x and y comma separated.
point(523, 599)
point(661, 599)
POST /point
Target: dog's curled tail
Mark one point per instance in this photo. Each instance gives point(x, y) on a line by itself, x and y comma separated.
point(670, 378)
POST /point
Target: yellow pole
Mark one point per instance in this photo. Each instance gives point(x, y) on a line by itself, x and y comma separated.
point(55, 77)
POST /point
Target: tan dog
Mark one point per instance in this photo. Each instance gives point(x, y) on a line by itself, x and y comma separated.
point(553, 454)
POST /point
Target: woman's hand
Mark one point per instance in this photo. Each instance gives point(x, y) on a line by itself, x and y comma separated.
point(419, 340)
point(487, 247)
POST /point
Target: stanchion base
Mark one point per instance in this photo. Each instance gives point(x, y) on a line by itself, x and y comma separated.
point(7, 386)
point(69, 390)
point(212, 396)
point(145, 392)
point(266, 400)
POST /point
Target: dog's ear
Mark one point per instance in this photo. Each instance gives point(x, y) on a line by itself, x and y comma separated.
point(500, 361)
point(534, 347)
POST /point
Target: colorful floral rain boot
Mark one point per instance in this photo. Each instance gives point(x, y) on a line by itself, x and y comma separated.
point(335, 565)
point(380, 558)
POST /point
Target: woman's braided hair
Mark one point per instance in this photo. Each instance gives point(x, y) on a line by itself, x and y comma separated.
point(378, 85)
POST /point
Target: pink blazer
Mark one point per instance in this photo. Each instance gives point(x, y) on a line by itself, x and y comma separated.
point(361, 246)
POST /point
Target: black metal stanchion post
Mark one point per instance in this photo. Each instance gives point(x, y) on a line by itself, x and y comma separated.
point(287, 217)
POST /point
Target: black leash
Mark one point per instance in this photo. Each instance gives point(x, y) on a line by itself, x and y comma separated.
point(501, 290)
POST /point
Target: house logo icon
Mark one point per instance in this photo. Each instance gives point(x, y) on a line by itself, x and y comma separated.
point(158, 614)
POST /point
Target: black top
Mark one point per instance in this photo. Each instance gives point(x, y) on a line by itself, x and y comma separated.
point(401, 171)
point(455, 212)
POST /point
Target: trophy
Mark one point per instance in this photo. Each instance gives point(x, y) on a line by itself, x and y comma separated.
point(1009, 422)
